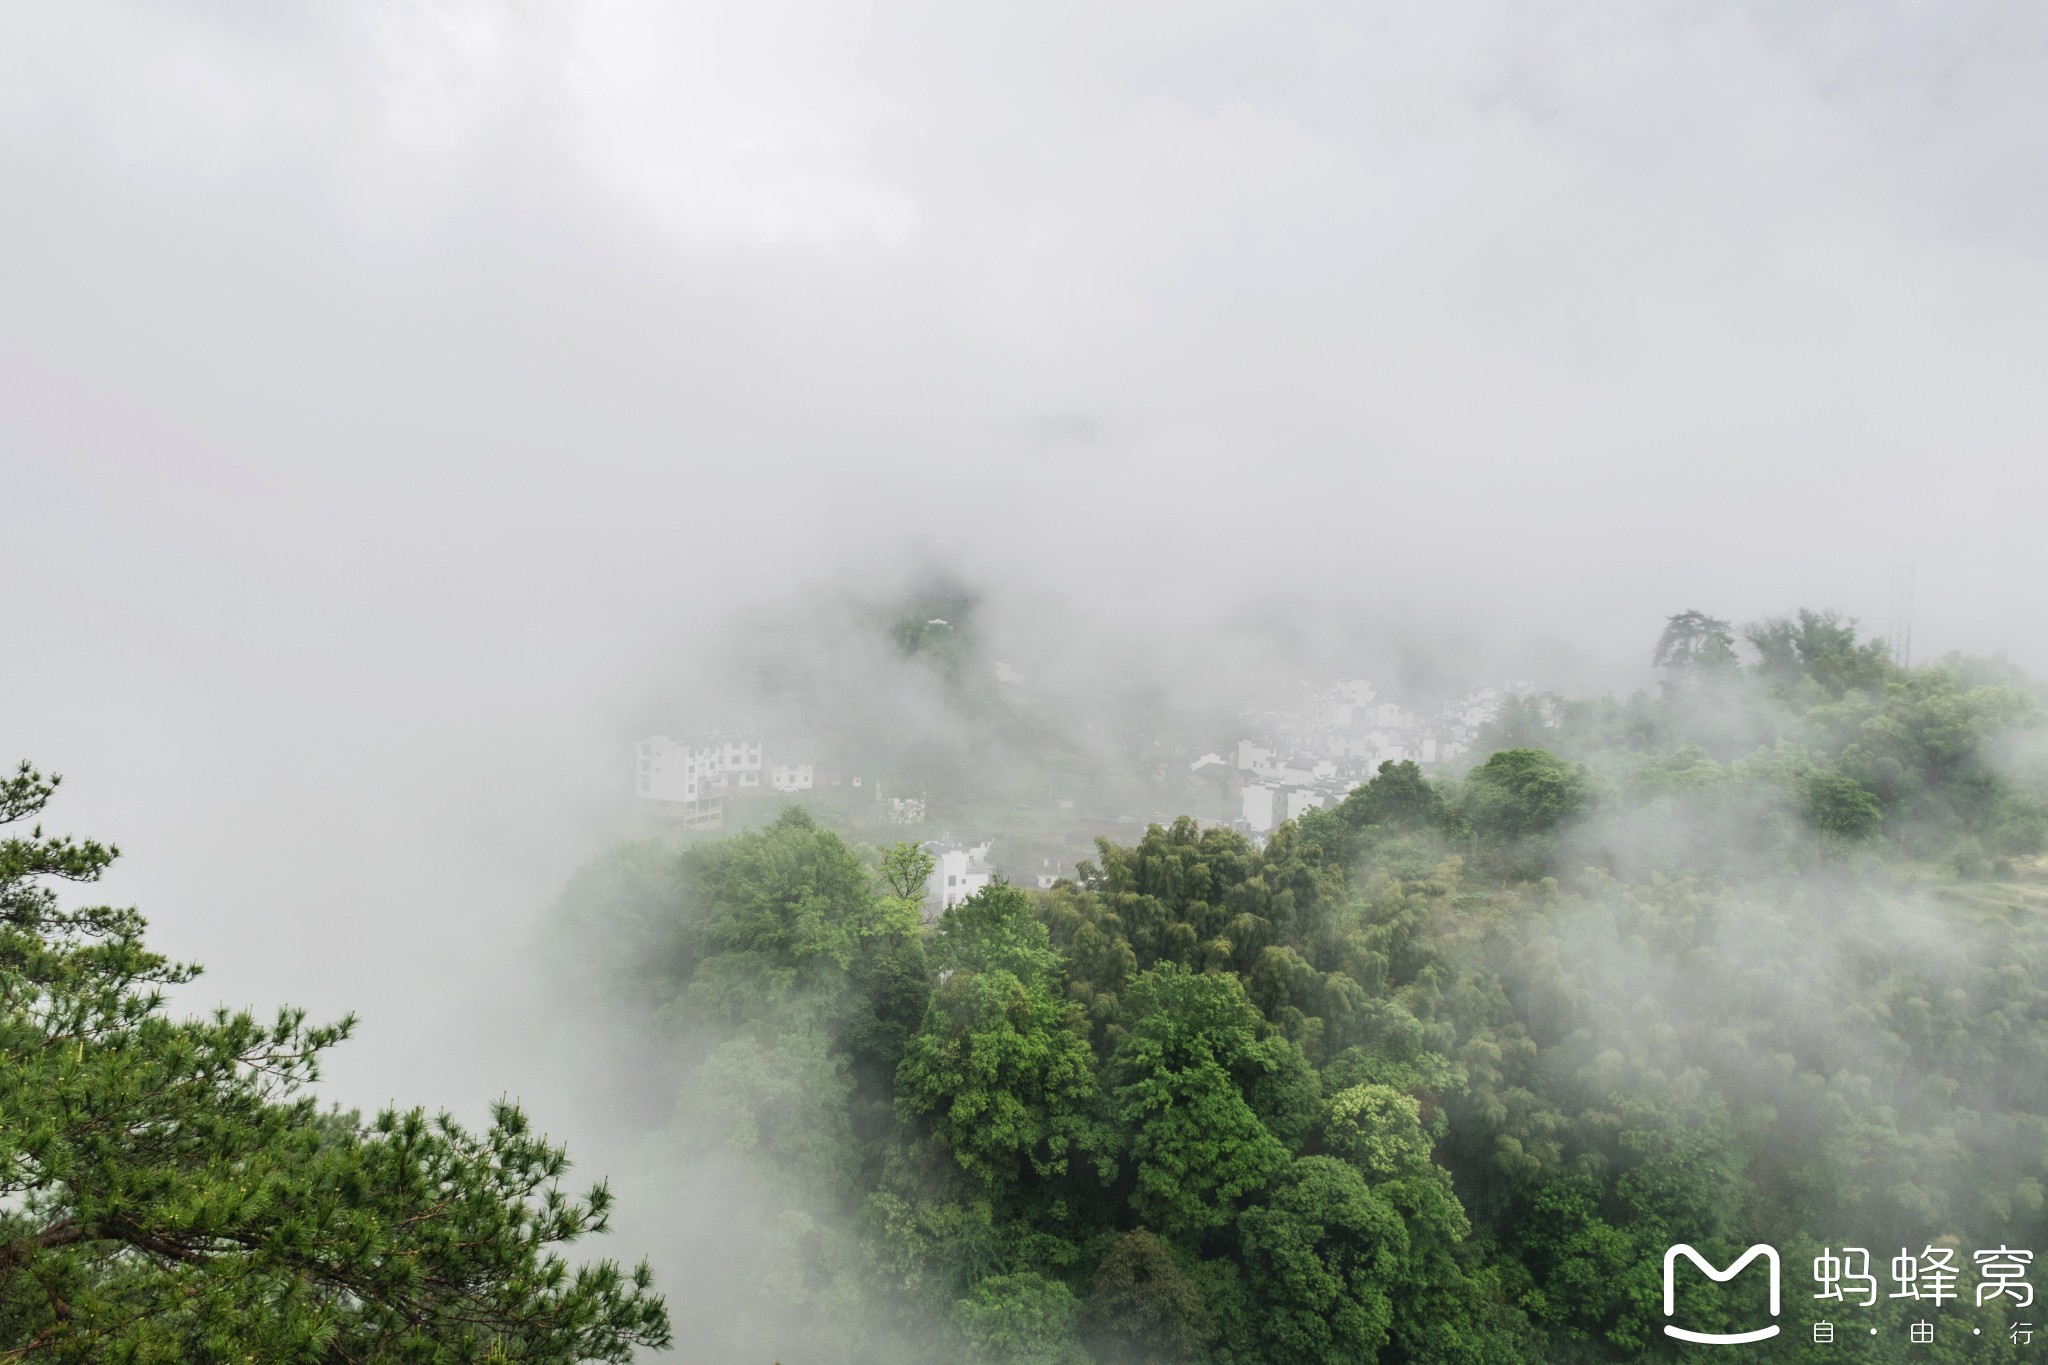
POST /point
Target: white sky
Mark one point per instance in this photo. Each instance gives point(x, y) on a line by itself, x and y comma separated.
point(386, 390)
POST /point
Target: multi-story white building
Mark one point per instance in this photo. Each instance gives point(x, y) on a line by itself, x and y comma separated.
point(957, 873)
point(739, 762)
point(682, 776)
point(667, 770)
point(1258, 807)
point(693, 775)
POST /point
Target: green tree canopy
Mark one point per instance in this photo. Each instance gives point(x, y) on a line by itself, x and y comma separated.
point(1001, 1069)
point(1182, 1073)
point(1398, 797)
point(1522, 792)
point(1142, 1307)
point(1321, 1258)
point(1694, 643)
point(1821, 646)
point(170, 1191)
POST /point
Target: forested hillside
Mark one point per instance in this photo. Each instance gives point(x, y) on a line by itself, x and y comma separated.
point(1436, 1075)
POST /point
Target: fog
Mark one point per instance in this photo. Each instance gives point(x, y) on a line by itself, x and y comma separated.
point(403, 407)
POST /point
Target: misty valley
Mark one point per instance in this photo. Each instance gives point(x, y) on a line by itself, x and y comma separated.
point(1454, 1063)
point(1434, 1072)
point(799, 683)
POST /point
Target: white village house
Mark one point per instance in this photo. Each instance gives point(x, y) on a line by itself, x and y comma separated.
point(957, 873)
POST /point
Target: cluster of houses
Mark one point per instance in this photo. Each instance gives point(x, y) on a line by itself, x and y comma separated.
point(1304, 757)
point(1311, 755)
point(688, 780)
point(692, 776)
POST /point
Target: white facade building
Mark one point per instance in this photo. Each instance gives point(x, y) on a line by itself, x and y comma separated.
point(1298, 772)
point(739, 762)
point(668, 770)
point(683, 770)
point(1265, 806)
point(957, 873)
point(695, 774)
point(682, 777)
point(1302, 799)
point(1258, 807)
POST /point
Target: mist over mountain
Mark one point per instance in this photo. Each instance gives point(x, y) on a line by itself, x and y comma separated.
point(1434, 1070)
point(407, 409)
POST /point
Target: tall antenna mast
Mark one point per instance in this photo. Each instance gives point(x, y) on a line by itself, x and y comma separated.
point(1899, 634)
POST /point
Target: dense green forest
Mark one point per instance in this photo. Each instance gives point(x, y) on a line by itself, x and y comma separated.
point(1436, 1075)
